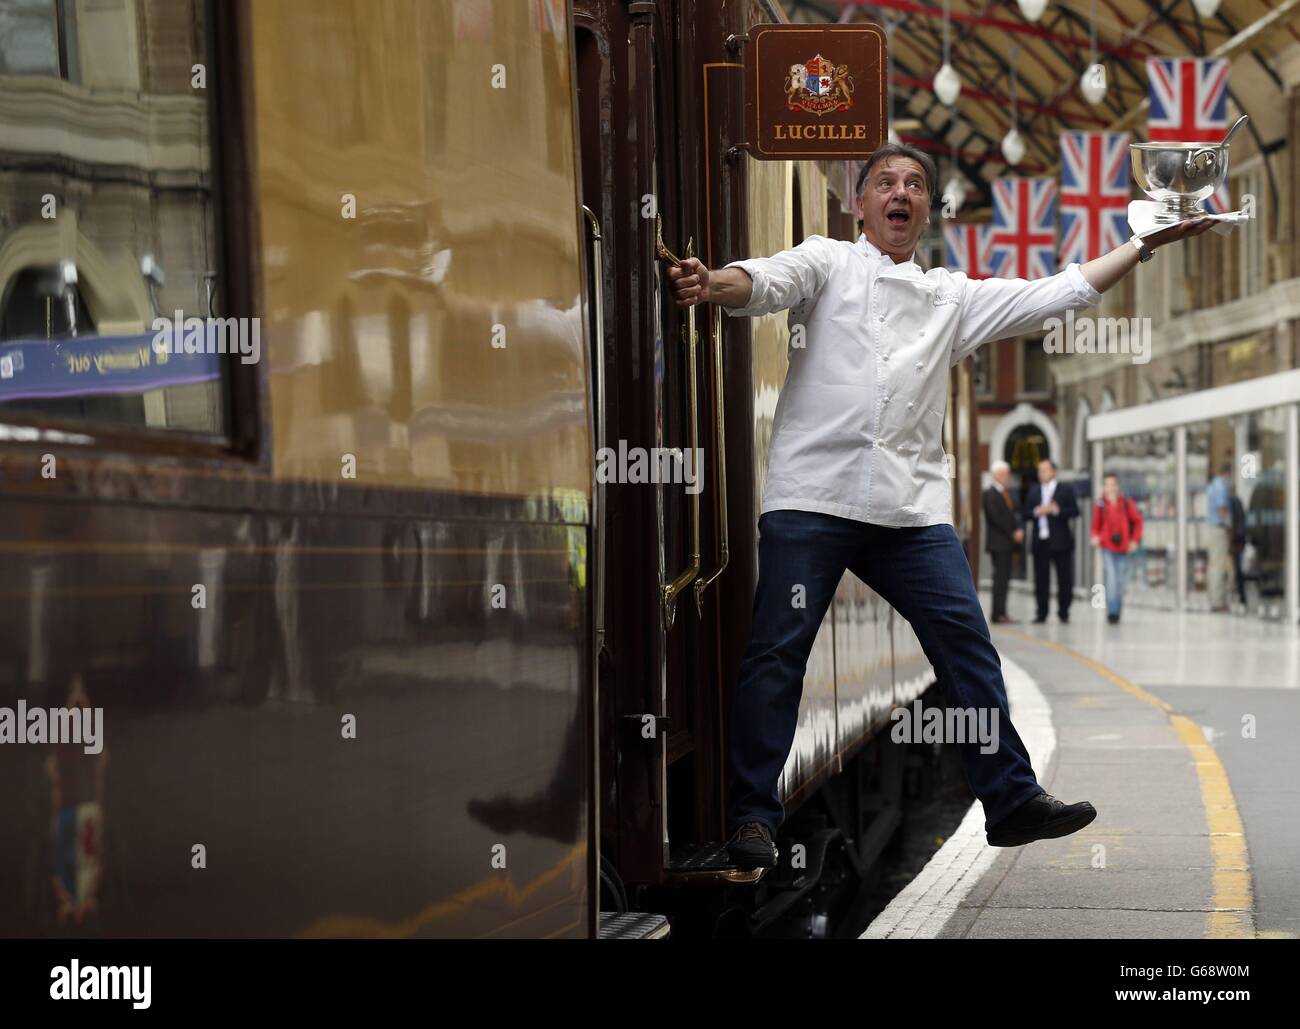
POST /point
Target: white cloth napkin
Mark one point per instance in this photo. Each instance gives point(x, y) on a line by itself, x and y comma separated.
point(1142, 218)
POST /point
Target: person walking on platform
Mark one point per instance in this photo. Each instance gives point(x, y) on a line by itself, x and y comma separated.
point(1239, 540)
point(1117, 531)
point(1003, 534)
point(1050, 507)
point(1218, 539)
point(857, 479)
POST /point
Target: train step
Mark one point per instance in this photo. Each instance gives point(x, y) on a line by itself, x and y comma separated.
point(708, 863)
point(633, 925)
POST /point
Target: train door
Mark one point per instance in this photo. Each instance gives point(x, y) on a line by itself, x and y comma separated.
point(658, 743)
point(684, 499)
point(631, 773)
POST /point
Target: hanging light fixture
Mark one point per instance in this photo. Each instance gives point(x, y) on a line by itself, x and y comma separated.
point(954, 191)
point(1093, 83)
point(947, 83)
point(1206, 8)
point(1032, 9)
point(1013, 147)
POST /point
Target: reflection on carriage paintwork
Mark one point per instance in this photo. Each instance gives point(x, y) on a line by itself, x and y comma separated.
point(548, 812)
point(327, 598)
point(439, 341)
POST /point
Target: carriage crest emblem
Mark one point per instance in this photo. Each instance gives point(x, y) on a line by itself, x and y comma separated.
point(818, 86)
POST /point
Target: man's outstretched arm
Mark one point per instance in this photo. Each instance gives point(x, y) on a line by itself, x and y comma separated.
point(998, 308)
point(1108, 269)
point(694, 284)
point(756, 285)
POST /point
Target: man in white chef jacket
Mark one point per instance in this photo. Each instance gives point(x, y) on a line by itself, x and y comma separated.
point(857, 479)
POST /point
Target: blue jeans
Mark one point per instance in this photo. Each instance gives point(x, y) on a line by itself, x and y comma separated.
point(1114, 572)
point(922, 572)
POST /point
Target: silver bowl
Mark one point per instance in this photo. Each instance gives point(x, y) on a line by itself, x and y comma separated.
point(1178, 176)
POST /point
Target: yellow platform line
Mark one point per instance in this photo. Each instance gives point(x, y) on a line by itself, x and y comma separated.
point(1232, 916)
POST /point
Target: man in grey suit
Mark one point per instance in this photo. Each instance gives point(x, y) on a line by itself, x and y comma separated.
point(1002, 534)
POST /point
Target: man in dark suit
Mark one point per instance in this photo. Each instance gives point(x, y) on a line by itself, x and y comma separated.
point(1048, 510)
point(1002, 534)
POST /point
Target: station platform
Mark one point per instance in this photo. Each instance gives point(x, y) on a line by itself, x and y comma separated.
point(1180, 730)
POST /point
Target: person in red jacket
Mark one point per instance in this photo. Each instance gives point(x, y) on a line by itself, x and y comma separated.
point(1117, 530)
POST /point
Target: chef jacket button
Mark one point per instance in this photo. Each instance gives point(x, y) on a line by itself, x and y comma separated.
point(919, 364)
point(880, 317)
point(910, 404)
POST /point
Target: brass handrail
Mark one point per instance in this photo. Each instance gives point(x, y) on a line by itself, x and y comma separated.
point(720, 430)
point(598, 366)
point(668, 591)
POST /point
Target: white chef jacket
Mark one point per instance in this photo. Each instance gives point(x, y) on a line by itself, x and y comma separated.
point(1049, 491)
point(858, 430)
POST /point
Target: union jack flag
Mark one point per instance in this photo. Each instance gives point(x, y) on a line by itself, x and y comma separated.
point(1094, 194)
point(1189, 104)
point(968, 249)
point(1023, 240)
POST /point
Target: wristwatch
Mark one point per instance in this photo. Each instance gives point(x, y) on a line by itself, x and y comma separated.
point(1145, 253)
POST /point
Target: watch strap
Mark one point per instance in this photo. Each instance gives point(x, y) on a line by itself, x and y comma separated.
point(1145, 253)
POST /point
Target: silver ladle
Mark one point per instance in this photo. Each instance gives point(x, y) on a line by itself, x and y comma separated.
point(1235, 126)
point(1202, 161)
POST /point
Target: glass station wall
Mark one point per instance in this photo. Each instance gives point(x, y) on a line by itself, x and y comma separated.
point(1147, 468)
point(1205, 450)
point(1262, 487)
point(1254, 445)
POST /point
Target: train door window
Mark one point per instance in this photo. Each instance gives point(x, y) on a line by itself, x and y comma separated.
point(110, 281)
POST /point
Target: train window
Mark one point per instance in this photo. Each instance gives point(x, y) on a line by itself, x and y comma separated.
point(110, 295)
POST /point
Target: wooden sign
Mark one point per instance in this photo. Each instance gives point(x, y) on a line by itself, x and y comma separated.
point(815, 91)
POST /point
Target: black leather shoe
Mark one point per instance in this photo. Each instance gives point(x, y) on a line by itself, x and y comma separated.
point(1040, 818)
point(752, 847)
